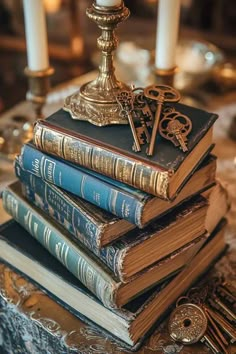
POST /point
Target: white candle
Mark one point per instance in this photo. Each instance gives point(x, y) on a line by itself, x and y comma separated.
point(108, 2)
point(167, 34)
point(36, 35)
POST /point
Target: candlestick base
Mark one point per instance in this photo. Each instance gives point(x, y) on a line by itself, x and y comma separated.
point(39, 85)
point(165, 76)
point(96, 100)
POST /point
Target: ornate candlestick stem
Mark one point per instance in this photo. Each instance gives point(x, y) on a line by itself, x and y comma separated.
point(96, 100)
point(39, 85)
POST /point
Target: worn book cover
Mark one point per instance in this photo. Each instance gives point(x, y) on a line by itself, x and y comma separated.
point(137, 249)
point(107, 150)
point(129, 324)
point(89, 268)
point(132, 205)
point(95, 223)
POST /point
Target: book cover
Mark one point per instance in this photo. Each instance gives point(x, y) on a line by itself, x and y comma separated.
point(126, 202)
point(91, 271)
point(144, 279)
point(139, 248)
point(99, 226)
point(107, 150)
point(132, 322)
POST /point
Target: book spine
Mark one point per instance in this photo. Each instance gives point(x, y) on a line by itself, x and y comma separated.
point(72, 257)
point(55, 203)
point(109, 255)
point(82, 184)
point(109, 163)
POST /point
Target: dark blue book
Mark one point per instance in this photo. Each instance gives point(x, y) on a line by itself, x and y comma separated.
point(99, 226)
point(119, 199)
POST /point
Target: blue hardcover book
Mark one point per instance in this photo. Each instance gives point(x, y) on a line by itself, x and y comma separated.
point(82, 217)
point(99, 226)
point(117, 198)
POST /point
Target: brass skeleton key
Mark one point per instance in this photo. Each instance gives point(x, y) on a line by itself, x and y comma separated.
point(175, 127)
point(143, 115)
point(224, 325)
point(207, 340)
point(224, 292)
point(141, 103)
point(161, 94)
point(225, 309)
point(216, 334)
point(188, 324)
point(126, 101)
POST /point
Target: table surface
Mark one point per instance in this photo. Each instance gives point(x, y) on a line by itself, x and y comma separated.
point(159, 342)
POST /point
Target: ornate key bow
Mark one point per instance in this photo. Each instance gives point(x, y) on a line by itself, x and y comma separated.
point(175, 127)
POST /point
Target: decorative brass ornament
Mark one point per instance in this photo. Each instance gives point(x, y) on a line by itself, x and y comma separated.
point(175, 127)
point(96, 102)
point(187, 324)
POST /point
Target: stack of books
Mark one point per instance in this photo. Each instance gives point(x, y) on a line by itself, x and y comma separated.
point(117, 236)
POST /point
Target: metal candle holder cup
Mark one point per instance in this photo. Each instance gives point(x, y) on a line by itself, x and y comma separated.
point(96, 100)
point(165, 76)
point(39, 85)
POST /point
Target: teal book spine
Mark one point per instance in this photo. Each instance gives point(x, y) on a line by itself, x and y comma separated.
point(83, 219)
point(112, 197)
point(57, 241)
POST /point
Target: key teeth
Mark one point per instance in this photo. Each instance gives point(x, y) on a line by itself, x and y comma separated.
point(134, 148)
point(184, 149)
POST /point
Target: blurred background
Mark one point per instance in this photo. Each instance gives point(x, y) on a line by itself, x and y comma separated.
point(72, 43)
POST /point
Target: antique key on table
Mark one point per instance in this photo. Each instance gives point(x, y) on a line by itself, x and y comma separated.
point(161, 94)
point(205, 297)
point(194, 321)
point(125, 99)
point(175, 126)
point(188, 324)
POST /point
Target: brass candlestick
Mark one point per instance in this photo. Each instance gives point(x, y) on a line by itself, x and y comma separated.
point(39, 85)
point(96, 100)
point(165, 76)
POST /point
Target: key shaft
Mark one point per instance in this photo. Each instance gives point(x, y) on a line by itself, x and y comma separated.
point(227, 328)
point(132, 126)
point(206, 339)
point(160, 94)
point(154, 129)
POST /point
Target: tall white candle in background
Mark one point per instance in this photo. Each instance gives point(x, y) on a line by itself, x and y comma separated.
point(108, 2)
point(167, 33)
point(36, 35)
